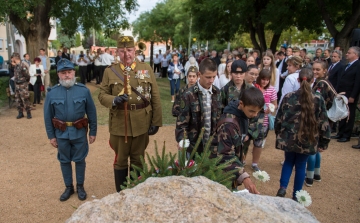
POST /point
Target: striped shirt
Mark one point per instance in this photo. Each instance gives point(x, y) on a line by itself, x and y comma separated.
point(269, 96)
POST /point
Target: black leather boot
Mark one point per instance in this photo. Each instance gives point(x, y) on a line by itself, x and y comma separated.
point(81, 192)
point(20, 115)
point(69, 190)
point(29, 115)
point(120, 178)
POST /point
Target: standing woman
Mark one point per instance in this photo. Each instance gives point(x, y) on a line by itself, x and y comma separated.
point(291, 82)
point(324, 89)
point(226, 76)
point(268, 63)
point(302, 129)
point(174, 72)
point(37, 78)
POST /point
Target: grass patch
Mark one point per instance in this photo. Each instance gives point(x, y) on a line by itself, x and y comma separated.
point(4, 83)
point(165, 97)
point(101, 111)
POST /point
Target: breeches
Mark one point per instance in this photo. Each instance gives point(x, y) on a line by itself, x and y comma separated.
point(134, 148)
point(72, 150)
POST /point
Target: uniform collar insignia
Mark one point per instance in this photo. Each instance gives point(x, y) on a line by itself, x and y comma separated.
point(128, 68)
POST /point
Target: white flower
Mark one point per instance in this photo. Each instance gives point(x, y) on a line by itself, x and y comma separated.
point(184, 144)
point(271, 107)
point(303, 197)
point(261, 176)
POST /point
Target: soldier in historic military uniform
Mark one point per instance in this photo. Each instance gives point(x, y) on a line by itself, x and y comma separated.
point(232, 91)
point(21, 79)
point(65, 106)
point(191, 77)
point(232, 130)
point(200, 107)
point(140, 99)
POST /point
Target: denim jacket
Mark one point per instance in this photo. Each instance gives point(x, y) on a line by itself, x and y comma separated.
point(171, 69)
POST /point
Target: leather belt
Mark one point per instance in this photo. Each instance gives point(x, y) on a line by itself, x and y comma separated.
point(133, 106)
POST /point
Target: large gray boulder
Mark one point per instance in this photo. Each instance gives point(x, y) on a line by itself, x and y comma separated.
point(181, 199)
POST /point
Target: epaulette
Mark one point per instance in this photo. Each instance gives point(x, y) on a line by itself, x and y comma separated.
point(196, 88)
point(79, 84)
point(109, 66)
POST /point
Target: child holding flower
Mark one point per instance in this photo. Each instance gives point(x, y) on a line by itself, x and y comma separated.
point(301, 129)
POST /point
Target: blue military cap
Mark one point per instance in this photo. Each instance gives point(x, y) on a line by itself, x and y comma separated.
point(64, 64)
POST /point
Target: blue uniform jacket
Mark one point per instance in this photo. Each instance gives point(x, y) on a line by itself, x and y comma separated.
point(69, 105)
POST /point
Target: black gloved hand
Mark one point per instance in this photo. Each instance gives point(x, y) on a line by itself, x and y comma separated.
point(153, 130)
point(118, 100)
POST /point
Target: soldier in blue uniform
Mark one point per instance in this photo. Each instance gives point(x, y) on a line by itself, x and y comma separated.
point(65, 108)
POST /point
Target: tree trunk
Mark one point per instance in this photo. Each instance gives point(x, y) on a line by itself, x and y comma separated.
point(253, 35)
point(274, 41)
point(260, 31)
point(35, 29)
point(151, 53)
point(342, 42)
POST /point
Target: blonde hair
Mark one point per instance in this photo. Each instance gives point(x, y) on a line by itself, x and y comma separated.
point(272, 67)
point(296, 61)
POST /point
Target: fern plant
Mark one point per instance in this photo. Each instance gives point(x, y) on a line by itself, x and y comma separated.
point(164, 164)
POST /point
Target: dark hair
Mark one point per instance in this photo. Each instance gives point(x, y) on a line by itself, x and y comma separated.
point(42, 49)
point(37, 59)
point(207, 64)
point(252, 66)
point(281, 53)
point(252, 97)
point(25, 55)
point(308, 122)
point(264, 74)
point(304, 50)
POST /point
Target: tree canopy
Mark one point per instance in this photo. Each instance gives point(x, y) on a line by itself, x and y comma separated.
point(31, 17)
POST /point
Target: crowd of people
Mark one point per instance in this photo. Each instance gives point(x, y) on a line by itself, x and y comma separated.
point(236, 97)
point(291, 92)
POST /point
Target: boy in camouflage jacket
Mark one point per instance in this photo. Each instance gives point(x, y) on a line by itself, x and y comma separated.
point(232, 131)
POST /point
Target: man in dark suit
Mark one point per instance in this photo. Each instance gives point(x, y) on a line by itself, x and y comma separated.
point(65, 54)
point(283, 70)
point(349, 82)
point(336, 67)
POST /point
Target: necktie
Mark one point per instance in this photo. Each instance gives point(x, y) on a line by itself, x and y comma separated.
point(348, 65)
point(331, 67)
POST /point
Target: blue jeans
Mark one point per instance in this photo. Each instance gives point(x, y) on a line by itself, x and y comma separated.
point(313, 163)
point(299, 161)
point(174, 86)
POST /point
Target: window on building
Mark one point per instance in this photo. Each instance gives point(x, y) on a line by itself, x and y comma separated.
point(1, 45)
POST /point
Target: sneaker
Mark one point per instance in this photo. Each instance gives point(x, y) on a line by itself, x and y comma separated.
point(317, 178)
point(255, 168)
point(308, 182)
point(281, 192)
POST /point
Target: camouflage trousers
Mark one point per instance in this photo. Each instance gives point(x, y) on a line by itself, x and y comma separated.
point(22, 96)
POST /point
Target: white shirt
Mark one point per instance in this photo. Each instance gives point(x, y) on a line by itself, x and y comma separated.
point(291, 84)
point(90, 58)
point(97, 61)
point(73, 58)
point(83, 62)
point(107, 59)
point(223, 80)
point(164, 62)
point(216, 82)
point(277, 80)
point(157, 60)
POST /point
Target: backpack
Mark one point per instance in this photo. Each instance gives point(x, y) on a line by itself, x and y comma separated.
point(339, 109)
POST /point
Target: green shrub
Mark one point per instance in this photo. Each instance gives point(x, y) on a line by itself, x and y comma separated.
point(4, 83)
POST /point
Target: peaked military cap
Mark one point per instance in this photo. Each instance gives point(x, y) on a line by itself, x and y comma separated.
point(125, 42)
point(193, 69)
point(64, 64)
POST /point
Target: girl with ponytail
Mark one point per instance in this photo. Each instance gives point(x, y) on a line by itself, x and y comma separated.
point(302, 129)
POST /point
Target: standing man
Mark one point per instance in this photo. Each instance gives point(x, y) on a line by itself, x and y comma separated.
point(73, 57)
point(21, 79)
point(318, 54)
point(327, 57)
point(157, 61)
point(215, 58)
point(89, 69)
point(97, 66)
point(65, 107)
point(45, 61)
point(349, 82)
point(106, 60)
point(336, 67)
point(82, 61)
point(65, 54)
point(200, 107)
point(144, 116)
